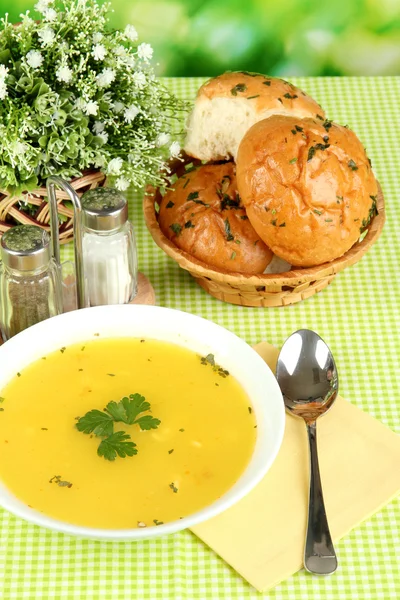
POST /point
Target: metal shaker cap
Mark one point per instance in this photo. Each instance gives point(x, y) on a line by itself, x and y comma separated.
point(25, 248)
point(104, 209)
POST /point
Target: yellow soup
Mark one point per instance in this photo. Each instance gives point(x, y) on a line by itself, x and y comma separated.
point(199, 449)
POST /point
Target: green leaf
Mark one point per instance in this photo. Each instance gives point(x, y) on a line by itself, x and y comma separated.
point(135, 405)
point(4, 56)
point(97, 422)
point(176, 228)
point(117, 411)
point(148, 422)
point(239, 87)
point(228, 232)
point(127, 409)
point(117, 444)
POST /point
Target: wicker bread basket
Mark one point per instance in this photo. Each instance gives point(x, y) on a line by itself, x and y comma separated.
point(14, 212)
point(258, 290)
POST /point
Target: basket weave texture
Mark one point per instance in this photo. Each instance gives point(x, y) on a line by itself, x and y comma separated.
point(265, 290)
point(14, 212)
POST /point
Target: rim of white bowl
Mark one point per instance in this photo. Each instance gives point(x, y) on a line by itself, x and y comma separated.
point(270, 414)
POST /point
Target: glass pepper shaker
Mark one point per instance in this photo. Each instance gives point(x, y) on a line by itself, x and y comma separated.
point(108, 248)
point(30, 287)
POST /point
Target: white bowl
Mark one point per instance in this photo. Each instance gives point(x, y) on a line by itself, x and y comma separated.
point(177, 327)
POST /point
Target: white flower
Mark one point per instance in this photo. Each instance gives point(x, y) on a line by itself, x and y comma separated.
point(97, 37)
point(130, 33)
point(105, 78)
point(99, 161)
point(145, 51)
point(118, 107)
point(26, 20)
point(163, 139)
point(3, 90)
point(129, 60)
point(64, 73)
point(34, 59)
point(43, 5)
point(120, 50)
point(103, 136)
point(47, 35)
point(91, 107)
point(140, 79)
point(98, 127)
point(50, 14)
point(18, 148)
point(80, 103)
point(3, 73)
point(122, 184)
point(174, 149)
point(130, 113)
point(114, 166)
point(99, 52)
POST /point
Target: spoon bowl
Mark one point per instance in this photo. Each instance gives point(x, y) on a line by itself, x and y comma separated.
point(307, 375)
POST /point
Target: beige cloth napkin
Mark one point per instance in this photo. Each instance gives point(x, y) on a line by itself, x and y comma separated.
point(262, 537)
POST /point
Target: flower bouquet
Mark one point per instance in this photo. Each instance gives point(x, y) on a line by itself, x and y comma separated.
point(78, 100)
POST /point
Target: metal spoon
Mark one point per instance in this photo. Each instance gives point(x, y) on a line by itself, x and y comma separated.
point(307, 375)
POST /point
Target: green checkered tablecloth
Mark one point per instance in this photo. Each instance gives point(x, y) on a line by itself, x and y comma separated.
point(358, 316)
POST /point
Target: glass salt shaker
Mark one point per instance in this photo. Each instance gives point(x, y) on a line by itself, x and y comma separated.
point(108, 248)
point(30, 284)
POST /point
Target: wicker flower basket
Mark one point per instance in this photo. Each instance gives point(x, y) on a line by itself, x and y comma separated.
point(14, 212)
point(263, 290)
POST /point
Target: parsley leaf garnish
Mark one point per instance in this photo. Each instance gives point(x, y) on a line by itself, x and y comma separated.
point(170, 204)
point(227, 202)
point(228, 232)
point(97, 422)
point(201, 202)
point(312, 150)
point(210, 360)
point(57, 479)
point(352, 165)
point(119, 443)
point(176, 228)
point(101, 424)
point(239, 87)
point(193, 195)
point(127, 409)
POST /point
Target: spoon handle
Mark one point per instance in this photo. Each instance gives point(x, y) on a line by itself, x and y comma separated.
point(319, 555)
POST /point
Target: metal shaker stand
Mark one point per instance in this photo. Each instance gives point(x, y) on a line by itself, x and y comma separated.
point(51, 184)
point(145, 293)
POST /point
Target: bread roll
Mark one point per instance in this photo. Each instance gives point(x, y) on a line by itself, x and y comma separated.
point(307, 186)
point(203, 216)
point(228, 105)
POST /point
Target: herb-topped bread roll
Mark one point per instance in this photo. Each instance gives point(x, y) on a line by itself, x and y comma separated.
point(203, 215)
point(228, 105)
point(307, 186)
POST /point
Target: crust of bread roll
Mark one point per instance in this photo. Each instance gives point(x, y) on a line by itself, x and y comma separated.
point(203, 215)
point(228, 105)
point(308, 187)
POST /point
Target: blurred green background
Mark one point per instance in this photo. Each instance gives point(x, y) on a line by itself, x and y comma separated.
point(276, 37)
